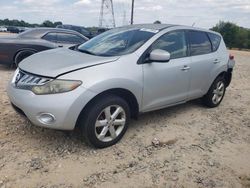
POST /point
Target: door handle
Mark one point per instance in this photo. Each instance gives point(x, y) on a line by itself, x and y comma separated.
point(216, 61)
point(185, 67)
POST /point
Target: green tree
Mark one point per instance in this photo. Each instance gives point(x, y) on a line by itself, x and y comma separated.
point(234, 36)
point(157, 22)
point(47, 23)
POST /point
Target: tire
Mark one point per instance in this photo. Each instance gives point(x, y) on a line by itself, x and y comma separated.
point(22, 55)
point(215, 95)
point(96, 125)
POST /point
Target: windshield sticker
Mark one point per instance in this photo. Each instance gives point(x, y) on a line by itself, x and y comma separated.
point(150, 30)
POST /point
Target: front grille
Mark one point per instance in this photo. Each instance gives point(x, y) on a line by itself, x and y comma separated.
point(25, 80)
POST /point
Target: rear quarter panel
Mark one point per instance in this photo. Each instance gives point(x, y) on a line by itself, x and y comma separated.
point(223, 56)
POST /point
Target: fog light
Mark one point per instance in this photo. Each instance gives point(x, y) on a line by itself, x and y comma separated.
point(46, 118)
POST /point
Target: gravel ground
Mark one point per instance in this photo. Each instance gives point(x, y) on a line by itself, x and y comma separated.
point(199, 147)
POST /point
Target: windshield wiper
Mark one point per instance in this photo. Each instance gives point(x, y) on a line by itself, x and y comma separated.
point(86, 51)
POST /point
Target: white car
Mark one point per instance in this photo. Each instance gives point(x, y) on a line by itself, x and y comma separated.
point(3, 29)
point(119, 74)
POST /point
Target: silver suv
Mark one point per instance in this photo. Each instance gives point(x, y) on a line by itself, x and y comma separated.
point(113, 77)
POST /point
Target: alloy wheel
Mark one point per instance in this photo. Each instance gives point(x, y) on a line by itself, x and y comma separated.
point(218, 92)
point(110, 123)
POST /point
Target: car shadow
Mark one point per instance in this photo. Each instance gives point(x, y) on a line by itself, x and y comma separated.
point(163, 114)
point(74, 140)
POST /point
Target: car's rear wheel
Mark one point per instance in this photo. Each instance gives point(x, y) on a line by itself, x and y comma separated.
point(22, 55)
point(105, 121)
point(216, 93)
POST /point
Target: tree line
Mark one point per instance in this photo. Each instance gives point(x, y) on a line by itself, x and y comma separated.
point(21, 23)
point(233, 35)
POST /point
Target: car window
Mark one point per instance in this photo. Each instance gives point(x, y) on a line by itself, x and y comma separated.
point(215, 39)
point(84, 32)
point(50, 37)
point(199, 43)
point(174, 43)
point(116, 42)
point(69, 38)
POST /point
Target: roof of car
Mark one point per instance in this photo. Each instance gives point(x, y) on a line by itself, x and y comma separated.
point(39, 32)
point(151, 26)
point(165, 26)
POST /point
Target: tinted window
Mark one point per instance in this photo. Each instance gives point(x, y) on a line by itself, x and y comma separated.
point(215, 39)
point(199, 43)
point(50, 37)
point(69, 38)
point(174, 43)
point(115, 42)
point(84, 32)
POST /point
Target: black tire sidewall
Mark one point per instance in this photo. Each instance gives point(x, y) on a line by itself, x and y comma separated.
point(91, 114)
point(22, 55)
point(207, 99)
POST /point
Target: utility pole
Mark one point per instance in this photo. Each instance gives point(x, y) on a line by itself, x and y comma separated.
point(107, 18)
point(132, 12)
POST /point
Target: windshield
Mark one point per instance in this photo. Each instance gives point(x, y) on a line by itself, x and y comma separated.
point(116, 42)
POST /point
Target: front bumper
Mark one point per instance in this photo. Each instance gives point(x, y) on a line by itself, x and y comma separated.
point(65, 107)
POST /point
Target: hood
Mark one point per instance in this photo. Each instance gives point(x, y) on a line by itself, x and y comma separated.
point(52, 63)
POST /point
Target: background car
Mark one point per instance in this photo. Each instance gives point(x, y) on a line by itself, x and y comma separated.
point(99, 31)
point(3, 29)
point(79, 29)
point(14, 48)
point(12, 29)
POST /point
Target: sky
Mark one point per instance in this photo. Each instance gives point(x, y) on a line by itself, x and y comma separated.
point(204, 13)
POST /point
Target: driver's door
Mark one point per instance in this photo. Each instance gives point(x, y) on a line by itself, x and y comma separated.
point(167, 83)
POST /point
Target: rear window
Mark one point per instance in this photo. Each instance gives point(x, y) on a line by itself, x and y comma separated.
point(199, 43)
point(50, 37)
point(69, 38)
point(215, 39)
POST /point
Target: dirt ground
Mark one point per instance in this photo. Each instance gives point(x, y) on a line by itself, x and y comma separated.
point(204, 147)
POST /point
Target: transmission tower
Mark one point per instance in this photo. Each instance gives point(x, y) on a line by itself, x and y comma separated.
point(124, 20)
point(107, 18)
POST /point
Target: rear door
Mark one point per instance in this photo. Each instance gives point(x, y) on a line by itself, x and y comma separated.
point(202, 61)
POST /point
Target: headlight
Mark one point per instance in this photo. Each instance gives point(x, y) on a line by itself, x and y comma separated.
point(56, 86)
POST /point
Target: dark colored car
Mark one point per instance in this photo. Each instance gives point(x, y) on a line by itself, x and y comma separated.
point(13, 29)
point(99, 31)
point(14, 48)
point(79, 29)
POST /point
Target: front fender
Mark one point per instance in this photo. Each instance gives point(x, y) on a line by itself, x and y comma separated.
point(111, 75)
point(119, 83)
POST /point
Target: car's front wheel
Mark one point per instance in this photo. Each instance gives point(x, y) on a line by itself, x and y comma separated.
point(215, 93)
point(105, 121)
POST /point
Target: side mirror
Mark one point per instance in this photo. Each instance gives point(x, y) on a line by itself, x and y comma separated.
point(159, 56)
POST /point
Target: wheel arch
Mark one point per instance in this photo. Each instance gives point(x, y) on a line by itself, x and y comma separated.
point(225, 74)
point(127, 95)
point(19, 51)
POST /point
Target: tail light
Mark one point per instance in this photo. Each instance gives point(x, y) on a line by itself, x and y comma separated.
point(231, 57)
